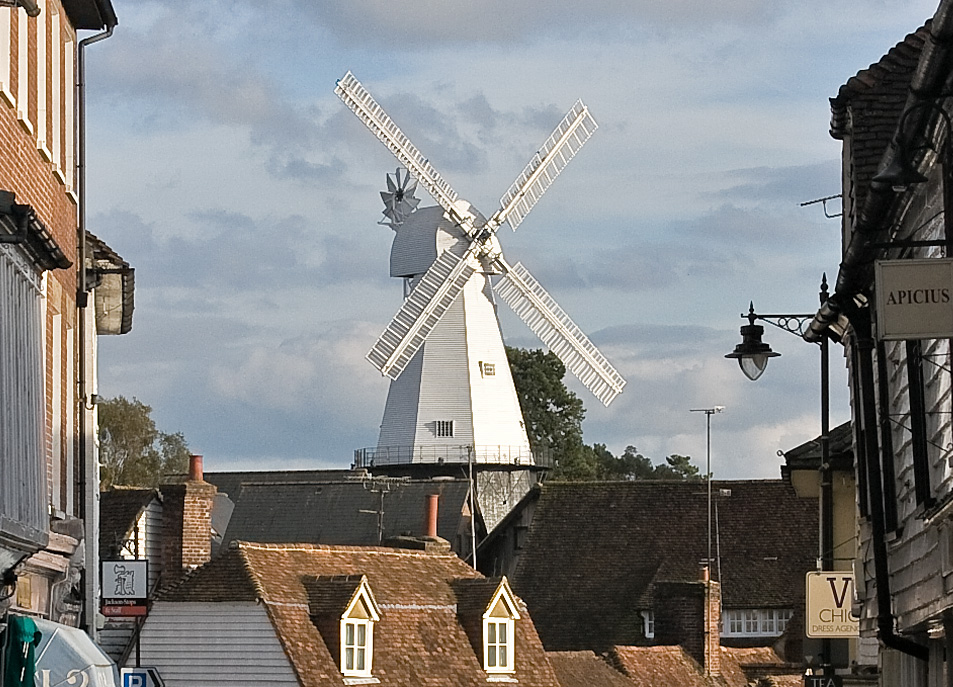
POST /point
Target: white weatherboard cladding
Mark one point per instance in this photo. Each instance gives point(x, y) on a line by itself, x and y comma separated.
point(497, 418)
point(194, 644)
point(400, 411)
point(444, 382)
point(421, 238)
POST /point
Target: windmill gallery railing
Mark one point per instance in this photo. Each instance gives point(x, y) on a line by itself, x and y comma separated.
point(377, 456)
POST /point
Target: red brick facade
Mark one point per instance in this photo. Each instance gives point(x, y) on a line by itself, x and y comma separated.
point(44, 181)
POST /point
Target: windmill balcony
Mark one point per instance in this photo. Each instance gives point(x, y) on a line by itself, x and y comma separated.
point(378, 456)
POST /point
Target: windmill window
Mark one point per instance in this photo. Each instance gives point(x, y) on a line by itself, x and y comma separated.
point(443, 428)
point(488, 369)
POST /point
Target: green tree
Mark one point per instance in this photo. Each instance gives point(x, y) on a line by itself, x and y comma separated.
point(553, 414)
point(133, 452)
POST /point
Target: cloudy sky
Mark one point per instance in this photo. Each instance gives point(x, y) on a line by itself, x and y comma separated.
point(224, 169)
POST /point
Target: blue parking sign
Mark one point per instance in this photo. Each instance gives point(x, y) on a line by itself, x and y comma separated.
point(141, 677)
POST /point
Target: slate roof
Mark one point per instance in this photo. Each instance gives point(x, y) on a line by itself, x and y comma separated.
point(867, 107)
point(585, 669)
point(419, 640)
point(230, 482)
point(119, 509)
point(808, 455)
point(658, 666)
point(343, 512)
point(594, 552)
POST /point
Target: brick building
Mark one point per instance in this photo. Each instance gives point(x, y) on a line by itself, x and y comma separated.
point(60, 287)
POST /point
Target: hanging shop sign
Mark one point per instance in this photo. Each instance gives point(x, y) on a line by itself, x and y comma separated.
point(914, 299)
point(125, 587)
point(830, 596)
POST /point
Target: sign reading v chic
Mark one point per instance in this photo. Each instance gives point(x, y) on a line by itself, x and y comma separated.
point(914, 299)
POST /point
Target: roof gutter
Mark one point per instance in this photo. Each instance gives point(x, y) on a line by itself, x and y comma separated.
point(88, 477)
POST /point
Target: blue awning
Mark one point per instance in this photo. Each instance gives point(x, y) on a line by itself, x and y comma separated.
point(66, 652)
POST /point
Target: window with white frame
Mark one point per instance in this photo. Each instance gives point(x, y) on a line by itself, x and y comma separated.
point(755, 622)
point(357, 636)
point(498, 633)
point(443, 428)
point(648, 624)
point(498, 649)
point(357, 645)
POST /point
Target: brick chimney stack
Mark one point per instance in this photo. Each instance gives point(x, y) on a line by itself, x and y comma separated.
point(689, 614)
point(187, 522)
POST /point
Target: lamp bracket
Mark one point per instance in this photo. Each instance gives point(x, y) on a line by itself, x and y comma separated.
point(796, 324)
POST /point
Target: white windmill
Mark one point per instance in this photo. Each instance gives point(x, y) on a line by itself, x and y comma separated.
point(452, 397)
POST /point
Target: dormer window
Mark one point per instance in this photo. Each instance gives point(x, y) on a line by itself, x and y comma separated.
point(357, 632)
point(344, 611)
point(499, 632)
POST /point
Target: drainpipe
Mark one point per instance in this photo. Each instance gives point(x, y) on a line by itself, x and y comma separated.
point(88, 460)
point(885, 621)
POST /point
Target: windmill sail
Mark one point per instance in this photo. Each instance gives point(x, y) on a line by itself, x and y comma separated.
point(435, 292)
point(552, 325)
point(361, 103)
point(551, 159)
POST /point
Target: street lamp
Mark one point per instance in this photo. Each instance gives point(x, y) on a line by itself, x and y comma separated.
point(708, 631)
point(708, 413)
point(752, 355)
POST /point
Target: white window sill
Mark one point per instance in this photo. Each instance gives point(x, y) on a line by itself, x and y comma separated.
point(501, 678)
point(366, 680)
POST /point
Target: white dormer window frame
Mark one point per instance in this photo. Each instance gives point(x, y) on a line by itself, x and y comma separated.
point(357, 647)
point(357, 635)
point(499, 632)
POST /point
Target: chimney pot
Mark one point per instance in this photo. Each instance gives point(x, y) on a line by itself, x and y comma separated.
point(196, 474)
point(704, 574)
point(432, 500)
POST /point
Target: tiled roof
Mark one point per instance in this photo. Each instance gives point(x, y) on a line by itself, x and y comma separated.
point(594, 552)
point(230, 481)
point(658, 666)
point(867, 108)
point(742, 666)
point(585, 669)
point(344, 512)
point(119, 509)
point(419, 639)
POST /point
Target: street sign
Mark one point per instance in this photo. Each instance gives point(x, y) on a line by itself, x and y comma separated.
point(141, 677)
point(125, 585)
point(822, 681)
point(914, 299)
point(830, 596)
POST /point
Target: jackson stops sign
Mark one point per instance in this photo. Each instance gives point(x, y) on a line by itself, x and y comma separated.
point(914, 299)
